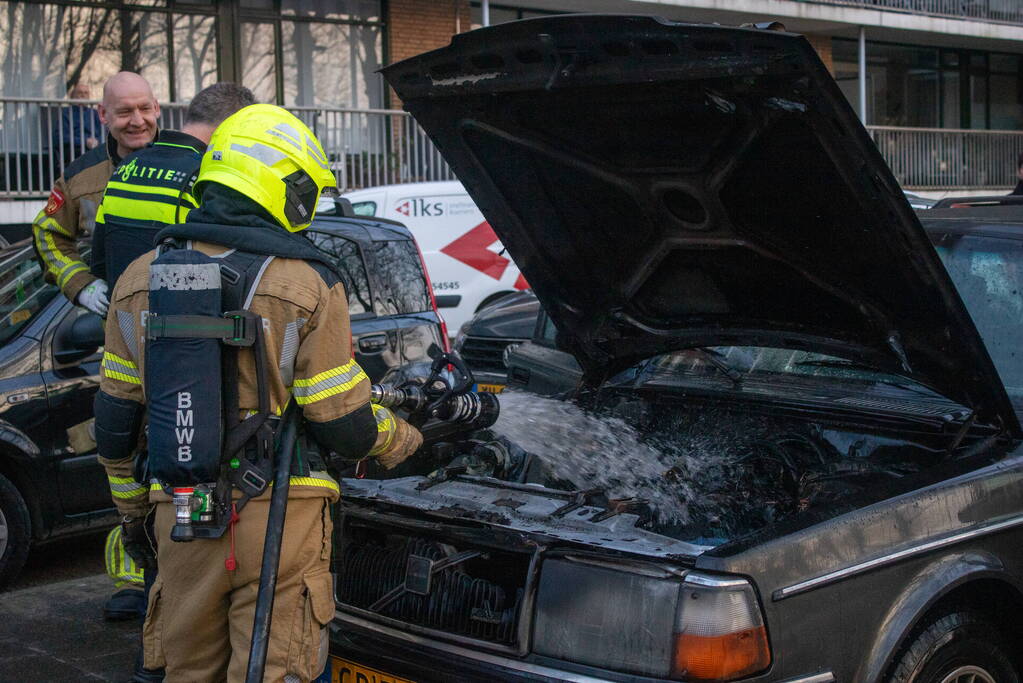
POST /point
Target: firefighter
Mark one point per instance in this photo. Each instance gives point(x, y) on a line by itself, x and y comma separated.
point(152, 187)
point(150, 190)
point(129, 111)
point(258, 186)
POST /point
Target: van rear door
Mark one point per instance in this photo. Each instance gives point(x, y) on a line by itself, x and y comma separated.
point(465, 259)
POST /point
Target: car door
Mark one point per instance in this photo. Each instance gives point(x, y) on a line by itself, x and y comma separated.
point(401, 295)
point(374, 337)
point(539, 366)
point(71, 376)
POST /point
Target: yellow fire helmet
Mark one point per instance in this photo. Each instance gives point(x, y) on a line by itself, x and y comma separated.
point(267, 154)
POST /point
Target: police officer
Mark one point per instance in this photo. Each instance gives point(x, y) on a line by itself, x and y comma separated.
point(152, 187)
point(258, 186)
point(129, 111)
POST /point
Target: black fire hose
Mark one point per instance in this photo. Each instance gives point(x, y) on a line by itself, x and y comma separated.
point(272, 546)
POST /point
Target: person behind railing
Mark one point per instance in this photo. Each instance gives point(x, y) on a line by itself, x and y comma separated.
point(79, 129)
point(1019, 175)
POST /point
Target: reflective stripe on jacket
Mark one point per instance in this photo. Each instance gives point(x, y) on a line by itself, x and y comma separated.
point(69, 216)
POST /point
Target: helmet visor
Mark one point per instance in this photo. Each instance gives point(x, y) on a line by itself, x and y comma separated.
point(302, 196)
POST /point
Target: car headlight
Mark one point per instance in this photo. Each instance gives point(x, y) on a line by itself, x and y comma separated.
point(650, 620)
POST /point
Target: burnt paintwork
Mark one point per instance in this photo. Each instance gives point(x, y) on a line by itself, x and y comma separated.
point(843, 582)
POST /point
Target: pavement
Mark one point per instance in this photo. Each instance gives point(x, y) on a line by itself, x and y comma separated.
point(51, 624)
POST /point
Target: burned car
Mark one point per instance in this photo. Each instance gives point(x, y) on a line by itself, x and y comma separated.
point(796, 454)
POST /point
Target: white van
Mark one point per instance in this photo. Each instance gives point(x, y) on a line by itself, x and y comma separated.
point(464, 259)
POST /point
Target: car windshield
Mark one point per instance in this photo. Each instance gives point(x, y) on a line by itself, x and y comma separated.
point(760, 365)
point(988, 272)
point(23, 291)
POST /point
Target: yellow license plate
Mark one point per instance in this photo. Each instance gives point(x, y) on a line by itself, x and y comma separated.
point(490, 388)
point(345, 671)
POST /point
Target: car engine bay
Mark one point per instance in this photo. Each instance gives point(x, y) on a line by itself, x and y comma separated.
point(691, 470)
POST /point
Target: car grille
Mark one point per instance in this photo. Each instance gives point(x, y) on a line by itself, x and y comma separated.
point(477, 599)
point(486, 354)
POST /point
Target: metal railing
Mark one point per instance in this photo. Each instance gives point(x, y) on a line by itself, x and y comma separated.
point(1007, 11)
point(949, 159)
point(365, 147)
point(369, 147)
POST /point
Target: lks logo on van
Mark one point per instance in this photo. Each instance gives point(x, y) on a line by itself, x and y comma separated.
point(420, 207)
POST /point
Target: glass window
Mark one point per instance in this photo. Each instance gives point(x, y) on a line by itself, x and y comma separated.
point(988, 272)
point(346, 254)
point(146, 52)
point(1006, 102)
point(332, 65)
point(902, 82)
point(497, 16)
point(401, 277)
point(365, 208)
point(1009, 64)
point(951, 102)
point(363, 10)
point(978, 101)
point(258, 60)
point(195, 54)
point(548, 332)
point(23, 292)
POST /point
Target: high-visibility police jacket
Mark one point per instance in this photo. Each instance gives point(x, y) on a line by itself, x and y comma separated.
point(149, 190)
point(69, 215)
point(310, 360)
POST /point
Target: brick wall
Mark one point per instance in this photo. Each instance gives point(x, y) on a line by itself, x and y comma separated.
point(822, 44)
point(416, 26)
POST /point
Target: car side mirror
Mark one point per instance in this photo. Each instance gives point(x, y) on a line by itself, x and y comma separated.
point(343, 207)
point(78, 337)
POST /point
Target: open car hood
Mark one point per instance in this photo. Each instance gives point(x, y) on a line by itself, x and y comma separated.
point(665, 185)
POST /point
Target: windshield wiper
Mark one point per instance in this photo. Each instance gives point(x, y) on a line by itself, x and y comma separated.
point(714, 358)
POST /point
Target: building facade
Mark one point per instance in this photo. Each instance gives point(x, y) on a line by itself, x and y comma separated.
point(938, 82)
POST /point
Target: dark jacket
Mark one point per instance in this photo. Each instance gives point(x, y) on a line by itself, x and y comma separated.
point(149, 190)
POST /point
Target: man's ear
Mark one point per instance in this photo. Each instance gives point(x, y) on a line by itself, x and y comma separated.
point(156, 107)
point(102, 114)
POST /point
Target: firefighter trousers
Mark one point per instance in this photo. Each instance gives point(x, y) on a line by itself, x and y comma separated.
point(199, 619)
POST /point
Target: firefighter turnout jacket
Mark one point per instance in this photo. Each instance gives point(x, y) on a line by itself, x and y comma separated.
point(149, 190)
point(307, 340)
point(69, 216)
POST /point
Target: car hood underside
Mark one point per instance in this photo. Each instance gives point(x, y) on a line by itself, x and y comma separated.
point(666, 185)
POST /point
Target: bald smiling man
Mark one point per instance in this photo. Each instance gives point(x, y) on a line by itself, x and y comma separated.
point(129, 111)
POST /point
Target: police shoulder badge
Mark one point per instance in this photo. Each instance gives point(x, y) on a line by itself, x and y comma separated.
point(55, 202)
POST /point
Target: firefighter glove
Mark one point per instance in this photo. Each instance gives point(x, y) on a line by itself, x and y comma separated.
point(406, 441)
point(135, 538)
point(94, 297)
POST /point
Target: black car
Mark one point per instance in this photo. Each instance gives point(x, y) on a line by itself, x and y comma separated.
point(487, 339)
point(51, 484)
point(799, 456)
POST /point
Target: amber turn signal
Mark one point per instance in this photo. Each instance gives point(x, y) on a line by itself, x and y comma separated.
point(721, 658)
point(719, 630)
